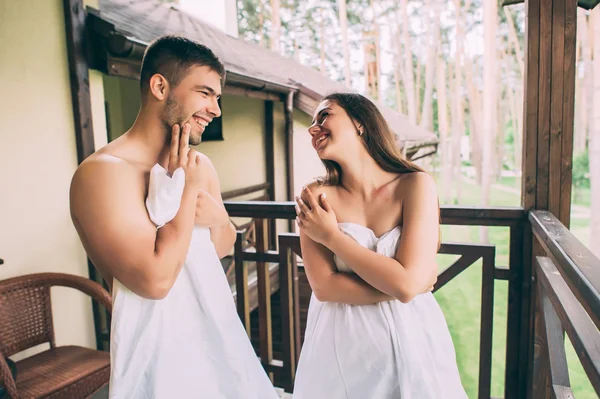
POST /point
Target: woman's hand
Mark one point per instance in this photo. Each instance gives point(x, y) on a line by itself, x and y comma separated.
point(318, 221)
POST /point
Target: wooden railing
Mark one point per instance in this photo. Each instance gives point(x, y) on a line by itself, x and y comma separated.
point(273, 304)
point(568, 299)
point(293, 291)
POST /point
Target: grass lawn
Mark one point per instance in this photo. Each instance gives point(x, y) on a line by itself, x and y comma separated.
point(580, 196)
point(461, 301)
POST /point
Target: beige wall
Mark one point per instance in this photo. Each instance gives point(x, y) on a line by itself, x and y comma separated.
point(240, 158)
point(38, 157)
point(123, 100)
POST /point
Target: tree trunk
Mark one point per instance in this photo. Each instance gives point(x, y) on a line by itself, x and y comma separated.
point(261, 23)
point(343, 16)
point(397, 88)
point(475, 116)
point(516, 126)
point(276, 26)
point(379, 91)
point(512, 32)
point(500, 133)
point(322, 41)
point(432, 46)
point(458, 124)
point(589, 73)
point(581, 124)
point(446, 148)
point(594, 155)
point(490, 24)
point(407, 78)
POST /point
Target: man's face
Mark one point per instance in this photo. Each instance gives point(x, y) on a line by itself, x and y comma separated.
point(194, 101)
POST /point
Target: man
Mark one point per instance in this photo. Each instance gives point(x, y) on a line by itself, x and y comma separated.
point(150, 216)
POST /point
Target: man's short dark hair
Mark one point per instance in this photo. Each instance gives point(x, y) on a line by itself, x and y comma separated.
point(172, 56)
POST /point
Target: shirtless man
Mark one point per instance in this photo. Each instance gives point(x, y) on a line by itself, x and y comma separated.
point(165, 336)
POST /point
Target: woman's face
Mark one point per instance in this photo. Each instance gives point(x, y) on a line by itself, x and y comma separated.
point(334, 133)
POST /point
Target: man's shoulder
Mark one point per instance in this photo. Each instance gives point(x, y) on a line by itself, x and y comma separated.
point(104, 170)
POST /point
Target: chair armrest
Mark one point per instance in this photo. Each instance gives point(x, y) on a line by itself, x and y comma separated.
point(85, 285)
point(6, 379)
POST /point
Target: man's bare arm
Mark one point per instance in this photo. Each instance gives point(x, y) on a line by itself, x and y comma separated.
point(223, 236)
point(108, 209)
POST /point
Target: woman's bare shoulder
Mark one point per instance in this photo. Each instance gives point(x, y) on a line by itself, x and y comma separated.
point(417, 185)
point(318, 187)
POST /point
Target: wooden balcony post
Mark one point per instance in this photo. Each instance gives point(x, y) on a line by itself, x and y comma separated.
point(549, 107)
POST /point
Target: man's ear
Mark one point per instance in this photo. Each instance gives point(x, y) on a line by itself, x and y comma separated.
point(159, 87)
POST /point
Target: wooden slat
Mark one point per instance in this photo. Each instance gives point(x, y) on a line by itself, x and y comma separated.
point(556, 105)
point(241, 282)
point(574, 260)
point(292, 241)
point(540, 380)
point(477, 216)
point(270, 165)
point(455, 269)
point(267, 256)
point(555, 341)
point(545, 91)
point(288, 114)
point(457, 215)
point(569, 68)
point(227, 195)
point(286, 294)
point(77, 46)
point(461, 248)
point(79, 77)
point(560, 392)
point(584, 335)
point(514, 314)
point(487, 323)
point(264, 296)
point(530, 111)
point(502, 273)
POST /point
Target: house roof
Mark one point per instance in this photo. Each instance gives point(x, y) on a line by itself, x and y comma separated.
point(146, 20)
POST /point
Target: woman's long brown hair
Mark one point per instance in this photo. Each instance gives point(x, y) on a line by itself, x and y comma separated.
point(378, 139)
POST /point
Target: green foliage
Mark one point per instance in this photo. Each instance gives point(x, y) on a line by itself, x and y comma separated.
point(581, 170)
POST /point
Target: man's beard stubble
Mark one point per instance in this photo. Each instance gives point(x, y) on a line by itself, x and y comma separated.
point(174, 114)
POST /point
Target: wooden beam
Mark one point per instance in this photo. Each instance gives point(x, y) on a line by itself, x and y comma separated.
point(245, 92)
point(582, 333)
point(270, 164)
point(549, 103)
point(586, 4)
point(454, 215)
point(79, 77)
point(123, 67)
point(577, 264)
point(288, 111)
point(227, 195)
point(77, 46)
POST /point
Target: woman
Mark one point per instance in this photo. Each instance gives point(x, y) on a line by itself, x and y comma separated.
point(369, 233)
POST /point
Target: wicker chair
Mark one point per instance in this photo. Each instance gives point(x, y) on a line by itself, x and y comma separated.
point(26, 321)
